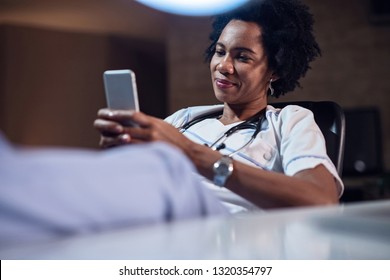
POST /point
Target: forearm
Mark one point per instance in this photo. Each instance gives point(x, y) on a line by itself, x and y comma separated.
point(269, 189)
point(202, 157)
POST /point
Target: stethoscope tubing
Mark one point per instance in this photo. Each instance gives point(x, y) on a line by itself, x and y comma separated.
point(253, 122)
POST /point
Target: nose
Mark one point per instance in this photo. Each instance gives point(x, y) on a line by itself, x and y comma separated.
point(225, 66)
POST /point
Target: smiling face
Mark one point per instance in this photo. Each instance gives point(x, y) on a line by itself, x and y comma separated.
point(239, 66)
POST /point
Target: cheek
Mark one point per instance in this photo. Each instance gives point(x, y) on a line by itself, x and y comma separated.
point(257, 76)
point(213, 63)
point(253, 82)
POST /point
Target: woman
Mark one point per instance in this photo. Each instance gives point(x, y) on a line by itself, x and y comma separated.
point(271, 157)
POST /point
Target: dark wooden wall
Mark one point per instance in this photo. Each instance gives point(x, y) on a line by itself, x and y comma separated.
point(51, 82)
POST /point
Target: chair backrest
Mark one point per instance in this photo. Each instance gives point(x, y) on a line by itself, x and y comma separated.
point(363, 142)
point(329, 116)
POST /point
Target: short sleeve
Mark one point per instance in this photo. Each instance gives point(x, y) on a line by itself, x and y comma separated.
point(302, 143)
point(178, 118)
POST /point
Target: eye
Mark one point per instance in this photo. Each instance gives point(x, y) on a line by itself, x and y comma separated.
point(243, 58)
point(219, 52)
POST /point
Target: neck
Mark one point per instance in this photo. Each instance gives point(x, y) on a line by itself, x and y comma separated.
point(232, 115)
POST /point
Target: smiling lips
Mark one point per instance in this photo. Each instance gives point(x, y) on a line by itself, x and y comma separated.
point(224, 84)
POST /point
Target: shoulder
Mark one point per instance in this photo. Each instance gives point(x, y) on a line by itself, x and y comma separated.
point(290, 116)
point(185, 115)
point(288, 111)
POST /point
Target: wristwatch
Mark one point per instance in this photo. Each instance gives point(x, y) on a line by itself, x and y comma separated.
point(222, 168)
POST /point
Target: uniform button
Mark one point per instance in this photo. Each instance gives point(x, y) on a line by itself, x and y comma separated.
point(267, 156)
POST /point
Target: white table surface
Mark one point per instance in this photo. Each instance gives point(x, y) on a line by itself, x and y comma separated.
point(351, 231)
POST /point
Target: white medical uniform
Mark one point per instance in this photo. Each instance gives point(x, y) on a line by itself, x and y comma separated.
point(289, 141)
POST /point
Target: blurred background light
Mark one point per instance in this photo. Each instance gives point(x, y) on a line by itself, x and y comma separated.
point(193, 7)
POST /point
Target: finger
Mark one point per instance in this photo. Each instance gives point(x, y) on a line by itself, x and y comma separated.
point(107, 142)
point(108, 127)
point(113, 114)
point(103, 112)
point(124, 117)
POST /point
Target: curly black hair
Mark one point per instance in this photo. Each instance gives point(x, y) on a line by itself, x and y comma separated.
point(287, 36)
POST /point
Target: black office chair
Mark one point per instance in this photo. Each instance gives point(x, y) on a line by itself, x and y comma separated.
point(364, 174)
point(330, 118)
point(363, 142)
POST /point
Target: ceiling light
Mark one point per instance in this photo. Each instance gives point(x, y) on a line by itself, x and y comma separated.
point(193, 7)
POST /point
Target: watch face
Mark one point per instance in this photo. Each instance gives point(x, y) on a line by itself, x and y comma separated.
point(224, 166)
point(222, 170)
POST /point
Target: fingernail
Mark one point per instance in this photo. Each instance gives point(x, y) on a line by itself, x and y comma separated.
point(118, 128)
point(125, 138)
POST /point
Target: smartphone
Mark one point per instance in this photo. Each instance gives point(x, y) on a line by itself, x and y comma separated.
point(121, 89)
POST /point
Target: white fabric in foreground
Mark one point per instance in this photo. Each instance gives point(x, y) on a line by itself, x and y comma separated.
point(52, 193)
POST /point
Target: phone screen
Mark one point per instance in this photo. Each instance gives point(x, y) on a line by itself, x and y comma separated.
point(121, 89)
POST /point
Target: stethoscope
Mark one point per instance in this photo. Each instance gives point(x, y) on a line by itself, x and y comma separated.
point(253, 122)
